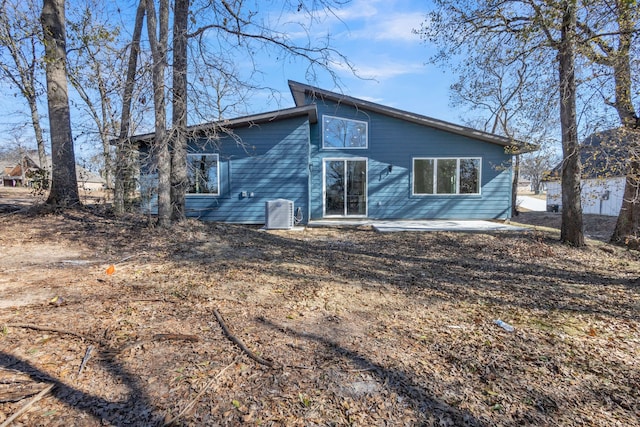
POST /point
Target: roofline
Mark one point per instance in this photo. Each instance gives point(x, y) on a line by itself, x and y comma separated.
point(254, 119)
point(301, 90)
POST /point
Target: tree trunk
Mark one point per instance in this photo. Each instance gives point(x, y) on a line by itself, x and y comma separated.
point(64, 185)
point(37, 129)
point(161, 146)
point(179, 107)
point(124, 179)
point(105, 126)
point(572, 226)
point(514, 185)
point(627, 229)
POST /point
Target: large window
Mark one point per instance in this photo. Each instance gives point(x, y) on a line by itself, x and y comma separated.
point(203, 172)
point(446, 176)
point(343, 133)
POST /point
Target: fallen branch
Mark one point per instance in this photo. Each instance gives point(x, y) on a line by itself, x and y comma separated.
point(28, 405)
point(159, 337)
point(239, 343)
point(195, 400)
point(175, 337)
point(85, 359)
point(50, 329)
point(17, 391)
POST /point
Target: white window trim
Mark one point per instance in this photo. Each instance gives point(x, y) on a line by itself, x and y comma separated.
point(435, 176)
point(217, 194)
point(366, 127)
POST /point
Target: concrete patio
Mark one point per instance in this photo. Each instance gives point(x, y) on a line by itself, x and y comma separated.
point(419, 225)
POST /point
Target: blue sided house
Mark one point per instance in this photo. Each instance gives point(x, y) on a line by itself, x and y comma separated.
point(335, 156)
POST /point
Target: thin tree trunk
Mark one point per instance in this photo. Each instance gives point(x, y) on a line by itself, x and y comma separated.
point(37, 129)
point(514, 185)
point(103, 126)
point(64, 185)
point(572, 226)
point(179, 107)
point(161, 146)
point(25, 80)
point(124, 179)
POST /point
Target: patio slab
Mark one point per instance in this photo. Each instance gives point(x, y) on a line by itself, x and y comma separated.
point(421, 225)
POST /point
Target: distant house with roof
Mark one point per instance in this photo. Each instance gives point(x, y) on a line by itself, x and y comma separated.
point(25, 171)
point(333, 156)
point(19, 170)
point(604, 158)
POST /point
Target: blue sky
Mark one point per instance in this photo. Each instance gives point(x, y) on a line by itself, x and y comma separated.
point(377, 38)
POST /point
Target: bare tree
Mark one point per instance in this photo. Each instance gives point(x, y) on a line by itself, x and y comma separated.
point(124, 168)
point(159, 46)
point(572, 223)
point(537, 29)
point(237, 30)
point(609, 43)
point(179, 180)
point(534, 166)
point(504, 89)
point(21, 35)
point(64, 185)
point(93, 59)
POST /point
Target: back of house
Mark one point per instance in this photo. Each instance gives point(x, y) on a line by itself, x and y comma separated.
point(335, 156)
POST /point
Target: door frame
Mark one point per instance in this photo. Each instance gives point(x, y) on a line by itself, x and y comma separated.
point(324, 186)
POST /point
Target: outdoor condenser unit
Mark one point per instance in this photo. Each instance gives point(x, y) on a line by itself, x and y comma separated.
point(278, 214)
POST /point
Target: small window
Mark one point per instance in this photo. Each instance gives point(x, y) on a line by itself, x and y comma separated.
point(339, 133)
point(446, 176)
point(203, 174)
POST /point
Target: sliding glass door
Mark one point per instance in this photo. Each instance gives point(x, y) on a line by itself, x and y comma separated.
point(345, 187)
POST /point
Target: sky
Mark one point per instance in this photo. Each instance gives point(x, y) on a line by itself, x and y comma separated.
point(390, 59)
point(377, 38)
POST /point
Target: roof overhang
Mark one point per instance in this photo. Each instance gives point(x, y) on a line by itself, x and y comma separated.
point(208, 129)
point(301, 92)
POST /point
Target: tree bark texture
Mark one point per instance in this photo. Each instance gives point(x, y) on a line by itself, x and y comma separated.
point(161, 146)
point(64, 185)
point(179, 181)
point(627, 230)
point(124, 167)
point(572, 224)
point(514, 185)
point(37, 129)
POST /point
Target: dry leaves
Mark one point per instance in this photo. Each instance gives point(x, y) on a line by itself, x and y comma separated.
point(366, 329)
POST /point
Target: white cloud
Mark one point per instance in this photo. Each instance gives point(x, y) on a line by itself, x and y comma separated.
point(365, 20)
point(395, 27)
point(385, 68)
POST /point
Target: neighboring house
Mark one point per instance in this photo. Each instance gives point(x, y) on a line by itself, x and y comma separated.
point(337, 156)
point(14, 165)
point(89, 181)
point(19, 171)
point(603, 156)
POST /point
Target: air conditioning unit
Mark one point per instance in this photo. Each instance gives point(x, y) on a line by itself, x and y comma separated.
point(279, 214)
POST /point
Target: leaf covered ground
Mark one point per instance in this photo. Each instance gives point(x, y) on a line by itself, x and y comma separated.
point(363, 328)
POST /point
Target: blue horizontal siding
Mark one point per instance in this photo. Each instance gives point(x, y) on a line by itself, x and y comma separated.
point(284, 159)
point(270, 162)
point(396, 142)
point(264, 162)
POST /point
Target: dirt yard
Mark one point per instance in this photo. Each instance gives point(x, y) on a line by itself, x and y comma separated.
point(340, 327)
